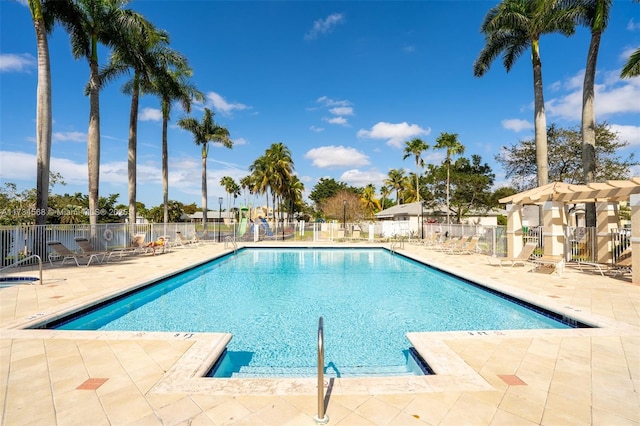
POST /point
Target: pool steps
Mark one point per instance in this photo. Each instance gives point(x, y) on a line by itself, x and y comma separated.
point(260, 372)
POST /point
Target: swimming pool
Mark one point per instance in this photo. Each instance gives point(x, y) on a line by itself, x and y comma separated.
point(271, 299)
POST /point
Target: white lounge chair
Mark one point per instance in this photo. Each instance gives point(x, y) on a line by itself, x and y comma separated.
point(61, 251)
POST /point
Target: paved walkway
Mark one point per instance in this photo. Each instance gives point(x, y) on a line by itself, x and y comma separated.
point(550, 377)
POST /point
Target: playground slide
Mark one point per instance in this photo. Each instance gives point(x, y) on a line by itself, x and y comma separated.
point(242, 227)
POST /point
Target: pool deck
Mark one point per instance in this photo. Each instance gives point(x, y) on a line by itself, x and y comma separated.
point(551, 377)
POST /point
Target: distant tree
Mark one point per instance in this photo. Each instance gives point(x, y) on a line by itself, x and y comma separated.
point(632, 67)
point(450, 143)
point(176, 209)
point(565, 148)
point(204, 132)
point(369, 201)
point(325, 188)
point(470, 189)
point(415, 147)
point(190, 208)
point(396, 180)
point(343, 205)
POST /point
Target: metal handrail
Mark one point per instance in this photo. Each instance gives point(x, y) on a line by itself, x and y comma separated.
point(228, 240)
point(24, 260)
point(321, 418)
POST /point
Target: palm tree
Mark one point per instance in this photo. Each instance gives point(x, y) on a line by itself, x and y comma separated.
point(369, 201)
point(228, 184)
point(90, 22)
point(632, 67)
point(510, 28)
point(172, 86)
point(395, 180)
point(204, 132)
point(43, 24)
point(449, 141)
point(146, 54)
point(281, 167)
point(595, 15)
point(416, 147)
point(385, 190)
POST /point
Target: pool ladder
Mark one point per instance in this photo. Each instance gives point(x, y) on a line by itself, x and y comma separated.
point(399, 243)
point(321, 418)
point(33, 256)
point(230, 241)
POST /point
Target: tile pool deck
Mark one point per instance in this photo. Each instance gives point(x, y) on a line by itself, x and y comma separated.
point(550, 377)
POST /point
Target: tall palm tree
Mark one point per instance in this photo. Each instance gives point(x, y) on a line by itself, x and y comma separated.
point(204, 132)
point(385, 190)
point(593, 14)
point(510, 28)
point(280, 164)
point(228, 184)
point(89, 23)
point(395, 180)
point(43, 24)
point(449, 142)
point(146, 54)
point(172, 86)
point(415, 147)
point(369, 201)
point(260, 177)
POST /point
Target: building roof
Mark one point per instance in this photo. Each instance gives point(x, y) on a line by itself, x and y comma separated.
point(611, 190)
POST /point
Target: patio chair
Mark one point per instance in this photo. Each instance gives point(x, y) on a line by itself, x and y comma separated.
point(523, 257)
point(61, 251)
point(445, 245)
point(623, 264)
point(467, 248)
point(182, 241)
point(457, 244)
point(86, 247)
point(136, 246)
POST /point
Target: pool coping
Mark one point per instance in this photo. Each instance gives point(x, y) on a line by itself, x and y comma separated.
point(452, 373)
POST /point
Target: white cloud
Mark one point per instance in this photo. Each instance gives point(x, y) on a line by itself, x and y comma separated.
point(395, 133)
point(409, 49)
point(630, 134)
point(328, 102)
point(220, 104)
point(336, 156)
point(337, 120)
point(12, 62)
point(69, 136)
point(357, 177)
point(633, 25)
point(341, 111)
point(612, 96)
point(517, 125)
point(324, 26)
point(150, 114)
point(238, 141)
point(316, 129)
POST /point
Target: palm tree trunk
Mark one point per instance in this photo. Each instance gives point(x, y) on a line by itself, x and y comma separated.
point(43, 117)
point(448, 209)
point(165, 168)
point(540, 117)
point(589, 123)
point(93, 138)
point(204, 188)
point(132, 157)
point(417, 181)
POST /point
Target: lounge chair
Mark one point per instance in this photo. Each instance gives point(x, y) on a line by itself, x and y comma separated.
point(136, 246)
point(623, 264)
point(182, 241)
point(456, 245)
point(523, 257)
point(467, 248)
point(162, 244)
point(445, 245)
point(61, 251)
point(87, 248)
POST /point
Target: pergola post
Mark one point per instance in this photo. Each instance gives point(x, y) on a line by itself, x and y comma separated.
point(514, 229)
point(634, 203)
point(554, 219)
point(606, 221)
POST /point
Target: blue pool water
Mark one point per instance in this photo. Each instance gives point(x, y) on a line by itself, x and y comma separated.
point(271, 299)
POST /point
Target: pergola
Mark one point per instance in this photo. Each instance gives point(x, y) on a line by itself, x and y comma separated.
point(553, 197)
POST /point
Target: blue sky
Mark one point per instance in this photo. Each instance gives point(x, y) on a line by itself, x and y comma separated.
point(342, 84)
